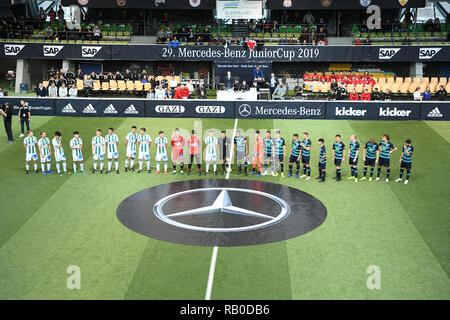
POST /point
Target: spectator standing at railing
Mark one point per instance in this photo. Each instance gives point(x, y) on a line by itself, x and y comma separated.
point(62, 92)
point(387, 96)
point(190, 87)
point(60, 14)
point(41, 91)
point(417, 95)
point(73, 91)
point(441, 93)
point(160, 93)
point(280, 91)
point(354, 95)
point(427, 94)
point(228, 81)
point(42, 16)
point(365, 96)
point(284, 17)
point(128, 75)
point(87, 84)
point(52, 90)
point(332, 95)
point(52, 15)
point(49, 35)
point(182, 92)
point(273, 83)
point(97, 33)
point(308, 18)
point(151, 94)
point(174, 43)
point(79, 75)
point(202, 95)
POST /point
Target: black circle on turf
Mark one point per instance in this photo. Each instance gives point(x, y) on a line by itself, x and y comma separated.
point(306, 213)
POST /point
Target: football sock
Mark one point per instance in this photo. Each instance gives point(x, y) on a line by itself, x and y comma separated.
point(207, 167)
point(117, 164)
point(199, 167)
point(165, 166)
point(408, 173)
point(58, 167)
point(388, 173)
point(49, 165)
point(323, 175)
point(109, 165)
point(131, 163)
point(290, 169)
point(157, 166)
point(215, 167)
point(378, 172)
point(371, 172)
point(140, 165)
point(282, 167)
point(355, 170)
point(297, 169)
point(35, 166)
point(401, 173)
point(27, 167)
point(181, 166)
point(308, 169)
point(223, 167)
point(148, 165)
point(352, 171)
point(43, 167)
point(74, 166)
point(65, 166)
point(174, 166)
point(338, 173)
point(265, 166)
point(240, 167)
point(365, 171)
point(101, 165)
point(189, 166)
point(95, 165)
point(304, 170)
point(126, 163)
point(82, 166)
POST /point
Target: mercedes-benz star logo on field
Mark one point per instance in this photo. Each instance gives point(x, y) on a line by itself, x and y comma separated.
point(245, 110)
point(222, 204)
point(216, 212)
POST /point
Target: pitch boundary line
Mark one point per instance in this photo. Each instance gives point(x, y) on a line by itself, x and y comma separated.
point(212, 267)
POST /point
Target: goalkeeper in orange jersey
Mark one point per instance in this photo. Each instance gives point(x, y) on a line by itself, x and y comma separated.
point(257, 153)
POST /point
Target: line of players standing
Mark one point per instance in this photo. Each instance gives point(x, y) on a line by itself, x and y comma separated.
point(267, 152)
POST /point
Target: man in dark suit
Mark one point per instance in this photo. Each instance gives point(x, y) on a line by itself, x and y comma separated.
point(228, 81)
point(273, 83)
point(41, 91)
point(244, 86)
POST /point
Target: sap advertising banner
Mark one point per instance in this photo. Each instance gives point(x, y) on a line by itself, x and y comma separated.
point(99, 107)
point(189, 109)
point(56, 51)
point(280, 110)
point(373, 110)
point(239, 9)
point(38, 106)
point(435, 111)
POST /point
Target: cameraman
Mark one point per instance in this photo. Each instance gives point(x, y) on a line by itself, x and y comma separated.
point(6, 112)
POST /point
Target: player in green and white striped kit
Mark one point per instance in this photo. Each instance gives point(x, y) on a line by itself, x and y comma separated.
point(130, 142)
point(98, 150)
point(58, 151)
point(112, 142)
point(145, 141)
point(161, 152)
point(211, 153)
point(30, 147)
point(76, 144)
point(45, 152)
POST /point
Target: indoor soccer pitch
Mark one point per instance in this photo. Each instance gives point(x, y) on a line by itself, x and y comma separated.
point(48, 223)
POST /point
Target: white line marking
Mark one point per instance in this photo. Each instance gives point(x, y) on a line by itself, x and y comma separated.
point(212, 267)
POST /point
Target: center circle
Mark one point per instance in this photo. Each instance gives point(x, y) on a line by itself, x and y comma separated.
point(217, 212)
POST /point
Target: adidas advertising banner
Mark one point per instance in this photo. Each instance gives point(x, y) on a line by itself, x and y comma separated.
point(373, 110)
point(189, 109)
point(99, 107)
point(280, 110)
point(38, 106)
point(435, 111)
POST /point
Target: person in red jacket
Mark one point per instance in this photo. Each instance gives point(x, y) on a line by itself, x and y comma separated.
point(182, 92)
point(365, 96)
point(354, 95)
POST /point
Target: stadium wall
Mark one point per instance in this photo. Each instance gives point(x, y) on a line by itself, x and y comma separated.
point(119, 107)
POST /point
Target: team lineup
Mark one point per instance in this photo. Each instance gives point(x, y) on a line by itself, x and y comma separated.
point(268, 152)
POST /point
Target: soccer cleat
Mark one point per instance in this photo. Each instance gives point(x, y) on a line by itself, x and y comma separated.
point(335, 178)
point(363, 178)
point(258, 175)
point(398, 180)
point(21, 135)
point(132, 169)
point(319, 177)
point(165, 172)
point(139, 171)
point(108, 172)
point(377, 179)
point(117, 171)
point(101, 171)
point(282, 175)
point(406, 181)
point(356, 179)
point(265, 173)
point(174, 172)
point(215, 173)
point(35, 171)
point(206, 173)
point(44, 173)
point(27, 172)
point(75, 173)
point(126, 169)
point(303, 176)
point(239, 172)
point(252, 172)
point(59, 174)
point(321, 180)
point(199, 173)
point(50, 171)
point(296, 175)
point(82, 171)
point(189, 173)
point(387, 179)
point(351, 177)
point(181, 172)
point(275, 174)
point(338, 179)
point(94, 171)
point(370, 179)
point(157, 172)
point(308, 178)
point(149, 171)
point(289, 175)
point(245, 173)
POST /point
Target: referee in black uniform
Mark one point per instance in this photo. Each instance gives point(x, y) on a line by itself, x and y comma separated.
point(6, 112)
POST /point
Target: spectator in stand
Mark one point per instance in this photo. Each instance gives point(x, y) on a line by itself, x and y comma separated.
point(49, 34)
point(244, 86)
point(118, 76)
point(41, 91)
point(182, 92)
point(52, 15)
point(296, 19)
point(97, 33)
point(128, 75)
point(151, 94)
point(273, 83)
point(387, 96)
point(160, 93)
point(51, 81)
point(165, 18)
point(236, 85)
point(354, 95)
point(200, 88)
point(73, 91)
point(173, 83)
point(144, 79)
point(427, 94)
point(429, 25)
point(284, 17)
point(161, 36)
point(202, 95)
point(298, 90)
point(60, 14)
point(87, 84)
point(191, 89)
point(341, 92)
point(375, 96)
point(365, 96)
point(169, 33)
point(228, 81)
point(62, 92)
point(257, 73)
point(42, 16)
point(332, 96)
point(417, 95)
point(282, 41)
point(367, 42)
point(135, 76)
point(407, 41)
point(357, 42)
point(52, 90)
point(61, 81)
point(174, 43)
point(333, 84)
point(308, 18)
point(291, 41)
point(408, 16)
point(441, 93)
point(280, 91)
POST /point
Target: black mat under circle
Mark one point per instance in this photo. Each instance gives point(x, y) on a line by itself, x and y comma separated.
point(137, 212)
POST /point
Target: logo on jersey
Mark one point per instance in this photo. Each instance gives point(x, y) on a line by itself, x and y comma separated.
point(365, 3)
point(89, 52)
point(110, 110)
point(325, 3)
point(435, 113)
point(89, 109)
point(51, 51)
point(245, 110)
point(387, 53)
point(121, 3)
point(13, 49)
point(68, 109)
point(210, 109)
point(428, 53)
point(169, 109)
point(83, 2)
point(131, 110)
point(403, 2)
point(287, 3)
point(194, 3)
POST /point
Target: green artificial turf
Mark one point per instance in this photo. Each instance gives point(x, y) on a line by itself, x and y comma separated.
point(49, 223)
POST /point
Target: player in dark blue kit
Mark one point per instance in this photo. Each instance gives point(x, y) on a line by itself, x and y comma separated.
point(384, 160)
point(279, 147)
point(295, 155)
point(353, 156)
point(306, 153)
point(370, 155)
point(322, 160)
point(338, 155)
point(406, 161)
